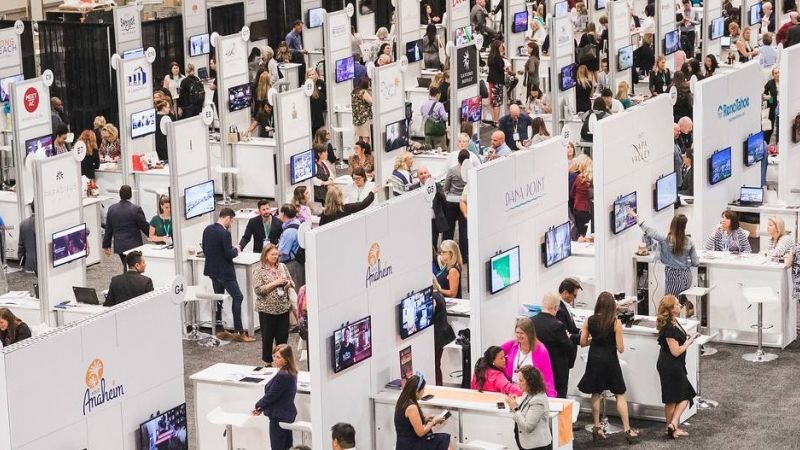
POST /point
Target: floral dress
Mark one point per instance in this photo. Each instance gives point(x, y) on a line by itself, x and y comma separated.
point(277, 300)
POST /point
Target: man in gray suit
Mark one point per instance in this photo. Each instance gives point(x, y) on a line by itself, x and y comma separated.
point(27, 243)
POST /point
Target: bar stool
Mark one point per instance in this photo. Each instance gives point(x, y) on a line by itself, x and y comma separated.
point(227, 184)
point(304, 428)
point(480, 445)
point(194, 295)
point(760, 295)
point(229, 419)
point(698, 293)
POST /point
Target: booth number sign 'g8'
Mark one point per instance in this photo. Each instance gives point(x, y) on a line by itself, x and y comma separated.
point(467, 68)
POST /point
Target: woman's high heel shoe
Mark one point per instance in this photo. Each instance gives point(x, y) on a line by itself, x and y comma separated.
point(597, 434)
point(630, 437)
point(671, 431)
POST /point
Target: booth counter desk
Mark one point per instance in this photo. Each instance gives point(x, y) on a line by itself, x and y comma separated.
point(475, 416)
point(255, 159)
point(728, 312)
point(28, 308)
point(220, 386)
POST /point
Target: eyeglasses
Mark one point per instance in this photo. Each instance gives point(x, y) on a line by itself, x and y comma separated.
point(358, 179)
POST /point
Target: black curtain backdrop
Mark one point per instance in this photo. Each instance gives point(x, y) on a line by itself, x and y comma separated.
point(79, 55)
point(28, 56)
point(166, 36)
point(226, 19)
point(280, 16)
point(383, 14)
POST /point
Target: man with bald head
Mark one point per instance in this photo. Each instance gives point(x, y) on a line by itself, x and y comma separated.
point(438, 220)
point(515, 127)
point(780, 37)
point(686, 126)
point(498, 147)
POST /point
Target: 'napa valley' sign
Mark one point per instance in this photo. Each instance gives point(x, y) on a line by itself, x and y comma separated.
point(376, 271)
point(525, 194)
point(97, 391)
point(640, 150)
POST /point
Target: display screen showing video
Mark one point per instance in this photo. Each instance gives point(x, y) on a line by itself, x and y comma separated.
point(416, 312)
point(352, 344)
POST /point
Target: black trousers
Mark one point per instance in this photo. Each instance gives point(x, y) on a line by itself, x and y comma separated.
point(581, 220)
point(232, 286)
point(279, 439)
point(438, 365)
point(562, 386)
point(274, 328)
point(452, 213)
point(122, 258)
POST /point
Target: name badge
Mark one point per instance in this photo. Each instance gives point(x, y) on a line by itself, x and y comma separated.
point(516, 137)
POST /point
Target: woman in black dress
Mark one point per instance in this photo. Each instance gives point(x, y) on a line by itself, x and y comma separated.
point(677, 392)
point(603, 372)
point(413, 429)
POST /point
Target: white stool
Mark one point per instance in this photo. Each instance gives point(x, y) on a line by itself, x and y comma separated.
point(698, 293)
point(194, 294)
point(303, 427)
point(480, 445)
point(229, 419)
point(760, 295)
point(227, 184)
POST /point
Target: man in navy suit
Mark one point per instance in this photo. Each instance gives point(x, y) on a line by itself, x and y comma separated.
point(553, 334)
point(261, 228)
point(568, 289)
point(219, 253)
point(125, 223)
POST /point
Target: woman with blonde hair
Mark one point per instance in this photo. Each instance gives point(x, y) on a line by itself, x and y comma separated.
point(677, 393)
point(401, 178)
point(282, 53)
point(780, 241)
point(660, 77)
point(584, 88)
point(581, 194)
point(92, 160)
point(746, 51)
point(263, 85)
point(447, 280)
point(318, 99)
point(98, 124)
point(336, 208)
point(272, 282)
point(623, 94)
point(110, 150)
point(269, 63)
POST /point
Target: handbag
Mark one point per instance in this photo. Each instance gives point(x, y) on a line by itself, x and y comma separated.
point(587, 53)
point(233, 134)
point(434, 126)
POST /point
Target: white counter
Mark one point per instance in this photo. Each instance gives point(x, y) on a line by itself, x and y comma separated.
point(243, 265)
point(27, 308)
point(475, 416)
point(218, 386)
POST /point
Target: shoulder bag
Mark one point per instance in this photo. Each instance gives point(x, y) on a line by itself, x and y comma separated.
point(434, 126)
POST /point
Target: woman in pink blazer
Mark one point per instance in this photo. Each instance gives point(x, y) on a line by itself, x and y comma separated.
point(527, 350)
point(489, 376)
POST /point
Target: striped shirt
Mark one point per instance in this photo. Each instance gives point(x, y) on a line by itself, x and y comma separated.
point(781, 247)
point(720, 240)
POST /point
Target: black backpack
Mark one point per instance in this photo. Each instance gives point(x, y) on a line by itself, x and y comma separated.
point(300, 254)
point(197, 92)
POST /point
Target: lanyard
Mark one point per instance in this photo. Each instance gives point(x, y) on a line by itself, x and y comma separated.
point(518, 362)
point(168, 228)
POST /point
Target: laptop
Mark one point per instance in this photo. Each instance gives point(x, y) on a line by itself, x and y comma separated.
point(85, 295)
point(424, 82)
point(751, 196)
point(202, 73)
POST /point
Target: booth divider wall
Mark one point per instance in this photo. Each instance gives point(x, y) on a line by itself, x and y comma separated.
point(514, 40)
point(365, 23)
point(135, 94)
point(13, 210)
point(407, 18)
point(389, 106)
point(362, 266)
point(254, 10)
point(99, 378)
point(712, 9)
point(665, 22)
point(194, 24)
point(293, 122)
point(619, 37)
point(727, 110)
point(513, 201)
point(620, 152)
point(10, 65)
point(312, 37)
point(562, 54)
point(336, 31)
point(464, 75)
point(789, 101)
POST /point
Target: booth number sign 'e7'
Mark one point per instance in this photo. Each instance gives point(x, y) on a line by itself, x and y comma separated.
point(97, 391)
point(375, 268)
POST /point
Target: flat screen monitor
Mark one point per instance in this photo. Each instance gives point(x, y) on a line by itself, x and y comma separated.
point(143, 123)
point(666, 193)
point(755, 14)
point(396, 135)
point(198, 199)
point(199, 45)
point(414, 51)
point(725, 42)
point(754, 149)
point(599, 4)
point(464, 35)
point(566, 79)
point(69, 245)
point(5, 91)
point(345, 69)
point(240, 97)
point(41, 147)
point(672, 42)
point(625, 58)
point(165, 431)
point(351, 344)
point(471, 109)
point(751, 194)
point(561, 9)
point(717, 28)
point(620, 220)
point(416, 312)
point(316, 17)
point(301, 166)
point(133, 53)
point(520, 23)
point(557, 244)
point(259, 30)
point(503, 270)
point(719, 166)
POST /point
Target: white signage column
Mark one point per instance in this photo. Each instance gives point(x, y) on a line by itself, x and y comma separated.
point(339, 65)
point(390, 125)
point(562, 58)
point(127, 28)
point(137, 116)
point(789, 111)
point(713, 29)
point(665, 25)
point(620, 50)
point(295, 162)
point(195, 26)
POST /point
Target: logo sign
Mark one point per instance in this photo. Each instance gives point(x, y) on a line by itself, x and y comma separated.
point(308, 87)
point(31, 99)
point(525, 194)
point(234, 61)
point(128, 25)
point(376, 271)
point(9, 48)
point(641, 150)
point(30, 105)
point(61, 186)
point(733, 110)
point(391, 91)
point(137, 80)
point(98, 390)
point(177, 290)
point(467, 67)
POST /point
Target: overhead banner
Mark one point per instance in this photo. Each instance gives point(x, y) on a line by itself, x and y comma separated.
point(467, 71)
point(31, 105)
point(391, 89)
point(9, 48)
